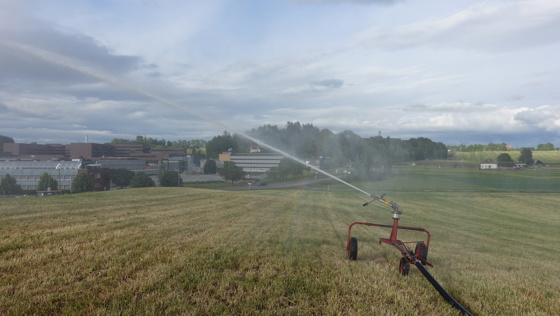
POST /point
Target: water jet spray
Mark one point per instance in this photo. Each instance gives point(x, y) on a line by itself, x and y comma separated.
point(418, 257)
point(67, 63)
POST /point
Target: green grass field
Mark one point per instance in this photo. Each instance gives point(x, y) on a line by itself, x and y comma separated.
point(282, 252)
point(548, 157)
point(433, 178)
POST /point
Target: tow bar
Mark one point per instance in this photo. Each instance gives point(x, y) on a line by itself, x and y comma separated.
point(418, 257)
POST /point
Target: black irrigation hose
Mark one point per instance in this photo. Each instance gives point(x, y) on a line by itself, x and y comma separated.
point(441, 290)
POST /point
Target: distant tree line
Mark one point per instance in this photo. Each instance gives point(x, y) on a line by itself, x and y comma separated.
point(372, 157)
point(525, 156)
point(546, 146)
point(495, 147)
point(478, 147)
point(226, 142)
point(123, 178)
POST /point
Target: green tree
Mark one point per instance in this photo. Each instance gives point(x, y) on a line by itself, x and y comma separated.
point(471, 148)
point(119, 141)
point(82, 183)
point(526, 156)
point(288, 167)
point(503, 157)
point(121, 177)
point(231, 172)
point(423, 148)
point(170, 179)
point(224, 143)
point(3, 140)
point(219, 144)
point(9, 186)
point(210, 166)
point(547, 146)
point(495, 147)
point(273, 173)
point(141, 180)
point(46, 182)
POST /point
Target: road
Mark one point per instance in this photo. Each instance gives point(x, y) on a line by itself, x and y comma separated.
point(303, 184)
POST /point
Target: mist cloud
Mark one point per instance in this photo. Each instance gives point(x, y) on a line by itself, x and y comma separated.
point(328, 83)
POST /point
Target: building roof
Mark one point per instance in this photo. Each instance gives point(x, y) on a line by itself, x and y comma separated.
point(40, 164)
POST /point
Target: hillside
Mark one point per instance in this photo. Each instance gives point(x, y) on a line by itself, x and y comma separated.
point(207, 252)
point(548, 157)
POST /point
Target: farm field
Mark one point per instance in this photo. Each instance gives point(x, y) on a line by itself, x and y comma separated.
point(551, 157)
point(279, 252)
point(443, 178)
point(434, 178)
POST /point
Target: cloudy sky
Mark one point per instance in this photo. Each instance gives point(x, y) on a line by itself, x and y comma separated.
point(458, 72)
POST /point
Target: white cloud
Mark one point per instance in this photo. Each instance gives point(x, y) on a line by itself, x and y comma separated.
point(483, 26)
point(163, 33)
point(546, 117)
point(399, 69)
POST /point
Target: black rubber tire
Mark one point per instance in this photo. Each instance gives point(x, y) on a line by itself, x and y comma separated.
point(404, 267)
point(421, 251)
point(353, 251)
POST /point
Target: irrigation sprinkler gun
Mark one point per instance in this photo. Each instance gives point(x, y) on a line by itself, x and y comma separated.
point(418, 257)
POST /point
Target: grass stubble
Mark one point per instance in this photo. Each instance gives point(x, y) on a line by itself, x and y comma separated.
point(273, 252)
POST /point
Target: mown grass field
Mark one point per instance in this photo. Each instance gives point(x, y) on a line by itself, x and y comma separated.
point(278, 252)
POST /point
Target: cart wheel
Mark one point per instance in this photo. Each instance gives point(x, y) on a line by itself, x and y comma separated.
point(421, 251)
point(353, 251)
point(404, 267)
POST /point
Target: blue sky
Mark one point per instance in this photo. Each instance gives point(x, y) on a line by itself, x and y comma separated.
point(459, 72)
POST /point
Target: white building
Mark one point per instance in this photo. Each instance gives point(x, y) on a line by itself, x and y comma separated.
point(28, 173)
point(489, 164)
point(253, 162)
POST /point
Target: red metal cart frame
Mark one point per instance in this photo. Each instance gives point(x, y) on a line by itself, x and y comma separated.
point(408, 256)
point(417, 257)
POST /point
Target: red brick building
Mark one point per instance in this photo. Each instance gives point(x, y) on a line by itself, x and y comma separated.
point(99, 176)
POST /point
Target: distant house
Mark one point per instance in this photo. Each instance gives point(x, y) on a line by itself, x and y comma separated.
point(537, 162)
point(488, 164)
point(254, 149)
